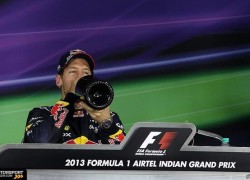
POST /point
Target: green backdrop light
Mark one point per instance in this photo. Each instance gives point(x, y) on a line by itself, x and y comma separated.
point(203, 99)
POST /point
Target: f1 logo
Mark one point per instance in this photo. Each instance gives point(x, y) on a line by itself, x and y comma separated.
point(149, 139)
point(165, 141)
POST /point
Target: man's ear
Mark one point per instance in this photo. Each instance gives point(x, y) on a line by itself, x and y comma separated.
point(58, 81)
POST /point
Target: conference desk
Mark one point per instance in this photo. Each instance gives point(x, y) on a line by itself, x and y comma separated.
point(149, 151)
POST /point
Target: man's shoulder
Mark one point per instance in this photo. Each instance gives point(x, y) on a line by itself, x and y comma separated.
point(39, 113)
point(42, 109)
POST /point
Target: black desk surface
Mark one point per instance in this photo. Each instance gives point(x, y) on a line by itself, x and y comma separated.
point(147, 146)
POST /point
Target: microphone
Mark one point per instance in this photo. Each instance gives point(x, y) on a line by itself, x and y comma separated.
point(224, 141)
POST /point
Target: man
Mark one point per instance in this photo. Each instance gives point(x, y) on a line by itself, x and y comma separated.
point(70, 120)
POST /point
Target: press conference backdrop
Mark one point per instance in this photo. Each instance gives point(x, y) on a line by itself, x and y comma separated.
point(167, 60)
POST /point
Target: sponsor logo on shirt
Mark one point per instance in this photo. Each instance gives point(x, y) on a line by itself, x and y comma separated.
point(59, 113)
point(80, 140)
point(119, 136)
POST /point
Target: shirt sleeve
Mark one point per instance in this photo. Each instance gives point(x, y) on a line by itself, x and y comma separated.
point(45, 124)
point(115, 134)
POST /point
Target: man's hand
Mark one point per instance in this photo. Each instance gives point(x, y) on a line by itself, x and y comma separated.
point(98, 115)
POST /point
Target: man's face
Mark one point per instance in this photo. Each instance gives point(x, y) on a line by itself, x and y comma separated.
point(72, 73)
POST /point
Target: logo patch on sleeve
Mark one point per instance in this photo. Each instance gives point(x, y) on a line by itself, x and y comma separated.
point(59, 113)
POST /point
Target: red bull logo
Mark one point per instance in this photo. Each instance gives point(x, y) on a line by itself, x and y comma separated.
point(80, 140)
point(59, 113)
point(55, 109)
point(119, 136)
